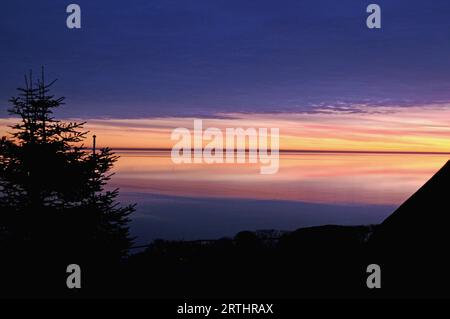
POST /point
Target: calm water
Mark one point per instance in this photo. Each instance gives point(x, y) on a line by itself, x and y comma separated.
point(192, 201)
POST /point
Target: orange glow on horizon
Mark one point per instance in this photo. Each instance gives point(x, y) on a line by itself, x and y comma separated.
point(399, 129)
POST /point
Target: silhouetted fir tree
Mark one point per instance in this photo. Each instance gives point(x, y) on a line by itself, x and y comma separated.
point(53, 202)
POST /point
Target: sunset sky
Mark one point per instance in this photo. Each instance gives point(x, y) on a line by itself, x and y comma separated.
point(311, 68)
point(136, 70)
point(392, 129)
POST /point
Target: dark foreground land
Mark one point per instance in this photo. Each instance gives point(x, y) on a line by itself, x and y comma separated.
point(322, 261)
point(411, 247)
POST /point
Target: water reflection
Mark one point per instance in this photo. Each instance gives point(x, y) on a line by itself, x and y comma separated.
point(331, 178)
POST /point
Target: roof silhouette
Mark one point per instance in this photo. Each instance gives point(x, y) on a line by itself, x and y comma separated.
point(425, 216)
point(412, 244)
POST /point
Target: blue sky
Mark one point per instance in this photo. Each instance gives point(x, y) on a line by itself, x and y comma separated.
point(147, 58)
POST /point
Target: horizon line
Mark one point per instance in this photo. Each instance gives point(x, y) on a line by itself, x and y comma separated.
point(293, 151)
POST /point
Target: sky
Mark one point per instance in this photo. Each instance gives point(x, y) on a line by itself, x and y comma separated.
point(389, 129)
point(313, 67)
point(138, 69)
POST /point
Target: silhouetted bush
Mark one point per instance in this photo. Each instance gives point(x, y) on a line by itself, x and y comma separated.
point(54, 210)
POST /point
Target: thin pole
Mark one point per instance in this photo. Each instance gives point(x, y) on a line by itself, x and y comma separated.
point(93, 144)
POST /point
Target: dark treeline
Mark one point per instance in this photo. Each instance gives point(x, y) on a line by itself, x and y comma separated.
point(321, 261)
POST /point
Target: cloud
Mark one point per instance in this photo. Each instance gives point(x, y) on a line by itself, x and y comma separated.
point(424, 128)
